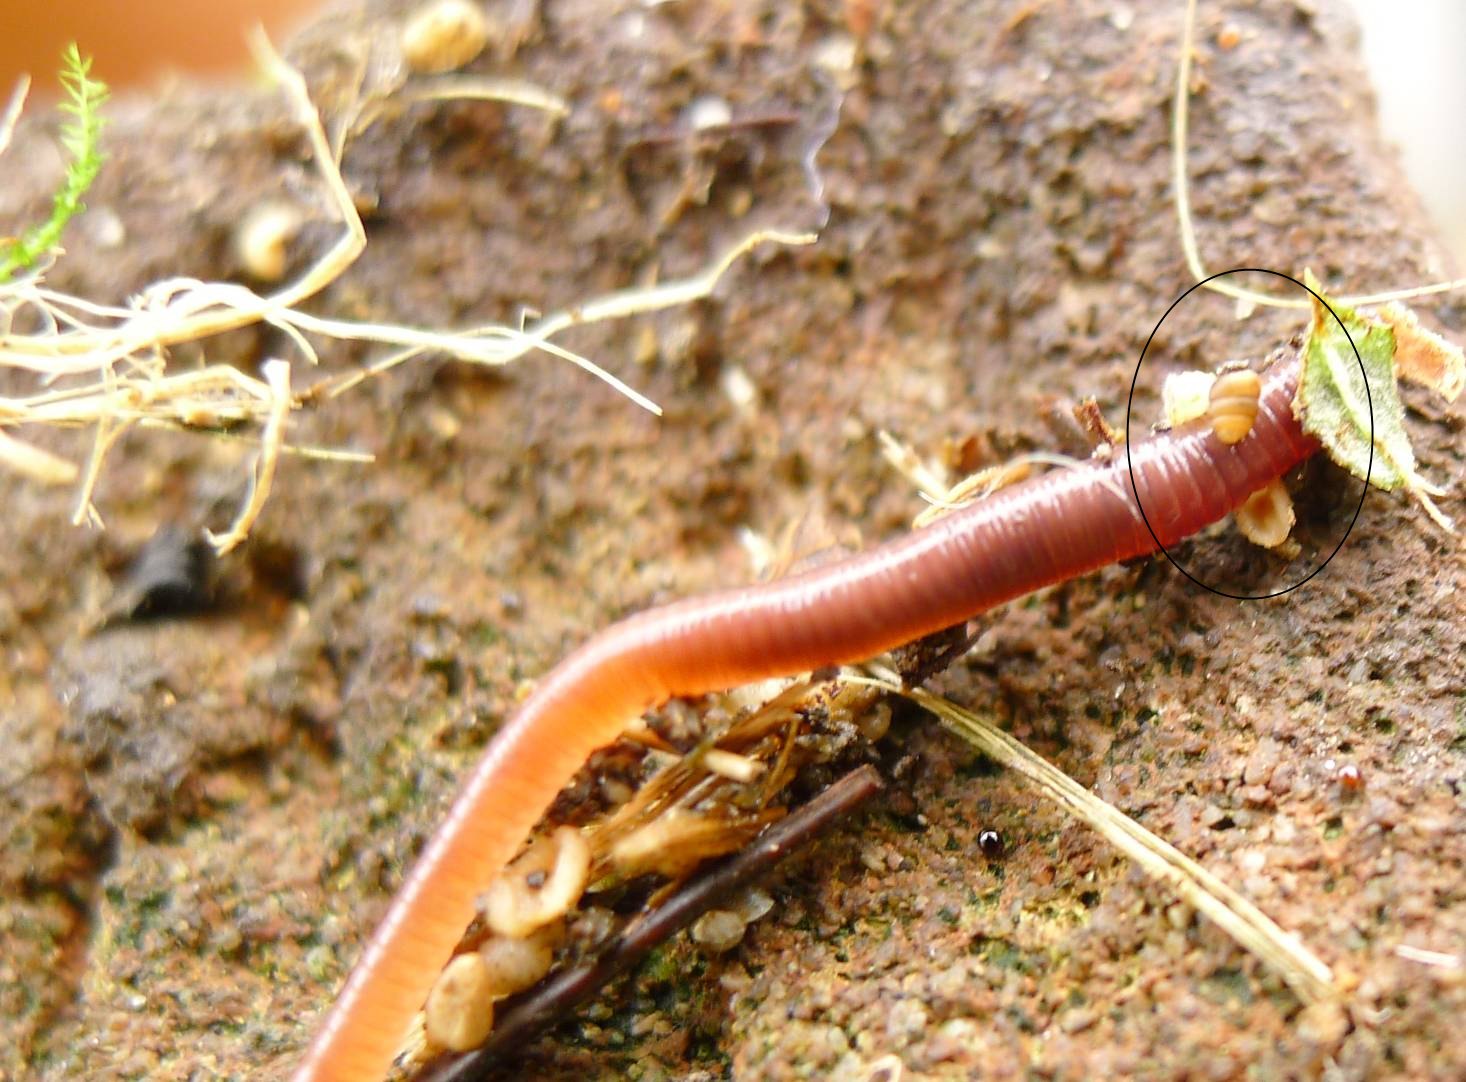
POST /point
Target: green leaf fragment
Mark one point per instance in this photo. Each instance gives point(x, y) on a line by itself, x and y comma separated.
point(1334, 405)
point(1353, 421)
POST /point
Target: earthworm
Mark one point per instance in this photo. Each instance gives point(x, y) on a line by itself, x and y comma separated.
point(1052, 528)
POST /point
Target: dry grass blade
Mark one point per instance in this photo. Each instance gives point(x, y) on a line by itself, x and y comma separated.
point(35, 463)
point(762, 741)
point(13, 109)
point(277, 378)
point(1437, 959)
point(487, 88)
point(1181, 186)
point(1308, 977)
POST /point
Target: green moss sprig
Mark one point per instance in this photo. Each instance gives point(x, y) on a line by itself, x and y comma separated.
point(80, 138)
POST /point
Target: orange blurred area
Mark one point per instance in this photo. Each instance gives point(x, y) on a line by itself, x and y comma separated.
point(135, 44)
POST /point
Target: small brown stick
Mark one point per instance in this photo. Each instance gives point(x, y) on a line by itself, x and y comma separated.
point(552, 998)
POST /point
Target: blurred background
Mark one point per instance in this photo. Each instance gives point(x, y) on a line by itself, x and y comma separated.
point(1415, 51)
point(1417, 56)
point(136, 42)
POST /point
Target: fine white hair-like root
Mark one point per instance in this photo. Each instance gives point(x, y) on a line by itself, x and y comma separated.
point(105, 366)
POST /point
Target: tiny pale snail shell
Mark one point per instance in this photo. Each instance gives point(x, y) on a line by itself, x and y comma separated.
point(1232, 406)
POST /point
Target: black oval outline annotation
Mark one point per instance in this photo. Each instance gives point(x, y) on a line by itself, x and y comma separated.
point(1130, 404)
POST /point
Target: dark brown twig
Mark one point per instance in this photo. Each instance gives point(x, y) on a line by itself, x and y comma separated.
point(552, 998)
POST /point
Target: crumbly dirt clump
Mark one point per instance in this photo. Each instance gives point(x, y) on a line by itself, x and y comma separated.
point(205, 815)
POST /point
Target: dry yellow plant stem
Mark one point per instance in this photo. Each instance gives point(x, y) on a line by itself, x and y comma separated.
point(1180, 181)
point(1308, 977)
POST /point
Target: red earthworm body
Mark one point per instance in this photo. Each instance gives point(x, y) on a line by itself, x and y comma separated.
point(1045, 531)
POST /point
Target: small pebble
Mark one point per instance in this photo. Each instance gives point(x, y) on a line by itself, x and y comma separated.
point(1077, 1021)
point(1324, 1024)
point(708, 112)
point(991, 844)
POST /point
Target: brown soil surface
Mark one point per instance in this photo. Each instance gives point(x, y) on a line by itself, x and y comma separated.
point(205, 816)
